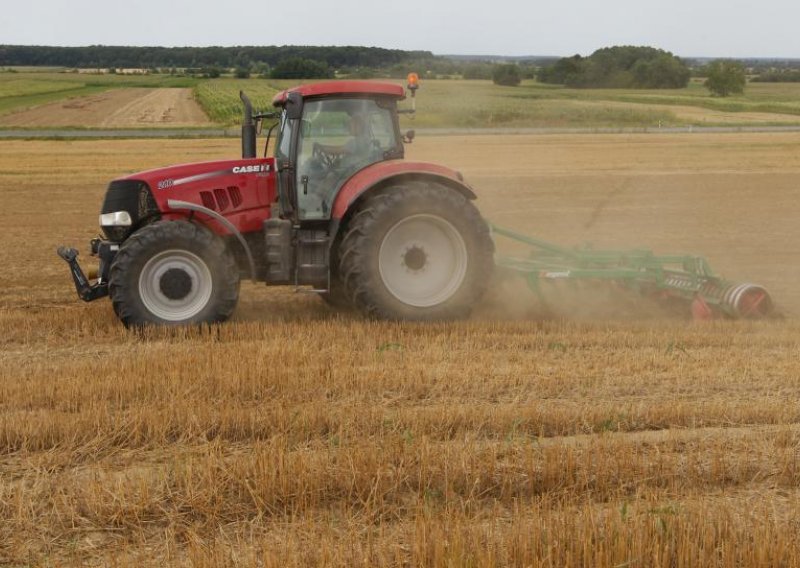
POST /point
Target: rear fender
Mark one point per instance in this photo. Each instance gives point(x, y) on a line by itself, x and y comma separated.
point(386, 174)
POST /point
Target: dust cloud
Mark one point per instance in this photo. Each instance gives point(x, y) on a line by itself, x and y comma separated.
point(731, 198)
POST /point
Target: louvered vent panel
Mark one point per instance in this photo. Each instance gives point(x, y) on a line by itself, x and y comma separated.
point(208, 200)
point(222, 199)
point(236, 196)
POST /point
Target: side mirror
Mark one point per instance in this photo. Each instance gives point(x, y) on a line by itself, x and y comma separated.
point(294, 106)
point(408, 137)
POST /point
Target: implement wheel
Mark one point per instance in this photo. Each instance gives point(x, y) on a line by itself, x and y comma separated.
point(173, 273)
point(417, 252)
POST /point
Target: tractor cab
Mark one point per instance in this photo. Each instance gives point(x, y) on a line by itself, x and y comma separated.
point(335, 139)
point(328, 132)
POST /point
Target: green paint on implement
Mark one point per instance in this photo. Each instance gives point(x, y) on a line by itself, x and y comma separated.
point(672, 278)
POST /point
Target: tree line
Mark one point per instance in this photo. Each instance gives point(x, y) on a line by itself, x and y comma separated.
point(611, 67)
point(106, 56)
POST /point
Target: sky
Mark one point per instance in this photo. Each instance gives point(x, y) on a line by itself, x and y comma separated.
point(712, 28)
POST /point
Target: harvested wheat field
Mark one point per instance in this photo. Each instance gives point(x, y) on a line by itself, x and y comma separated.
point(116, 108)
point(296, 436)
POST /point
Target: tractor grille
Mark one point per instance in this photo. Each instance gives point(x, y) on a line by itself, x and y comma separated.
point(222, 199)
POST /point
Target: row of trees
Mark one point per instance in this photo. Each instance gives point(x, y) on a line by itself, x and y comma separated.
point(104, 56)
point(778, 76)
point(611, 67)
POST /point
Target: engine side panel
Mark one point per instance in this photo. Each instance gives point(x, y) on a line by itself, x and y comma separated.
point(240, 190)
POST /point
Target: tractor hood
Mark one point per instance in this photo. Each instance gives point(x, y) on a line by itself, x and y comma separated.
point(204, 173)
point(242, 188)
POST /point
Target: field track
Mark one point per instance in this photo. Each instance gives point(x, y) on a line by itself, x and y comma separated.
point(298, 436)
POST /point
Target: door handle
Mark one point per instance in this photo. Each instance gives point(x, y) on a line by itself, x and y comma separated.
point(304, 181)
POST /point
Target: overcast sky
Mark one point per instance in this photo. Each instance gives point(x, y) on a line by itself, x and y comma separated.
point(714, 28)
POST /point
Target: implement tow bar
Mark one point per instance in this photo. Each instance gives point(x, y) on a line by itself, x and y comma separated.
point(86, 292)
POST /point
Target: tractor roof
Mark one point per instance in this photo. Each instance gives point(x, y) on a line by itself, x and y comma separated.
point(342, 88)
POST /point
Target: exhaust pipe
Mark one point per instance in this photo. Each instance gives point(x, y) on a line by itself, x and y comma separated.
point(248, 129)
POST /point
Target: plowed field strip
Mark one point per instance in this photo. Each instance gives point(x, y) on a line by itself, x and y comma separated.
point(116, 108)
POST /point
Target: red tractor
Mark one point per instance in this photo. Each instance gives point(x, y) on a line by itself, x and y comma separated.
point(336, 210)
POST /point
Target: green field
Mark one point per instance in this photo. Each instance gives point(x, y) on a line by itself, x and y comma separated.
point(457, 103)
point(220, 97)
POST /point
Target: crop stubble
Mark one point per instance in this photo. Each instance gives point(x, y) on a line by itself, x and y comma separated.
point(294, 435)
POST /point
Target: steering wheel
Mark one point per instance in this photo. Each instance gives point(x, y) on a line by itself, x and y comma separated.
point(326, 159)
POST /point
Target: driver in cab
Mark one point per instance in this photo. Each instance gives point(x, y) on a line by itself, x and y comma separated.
point(356, 149)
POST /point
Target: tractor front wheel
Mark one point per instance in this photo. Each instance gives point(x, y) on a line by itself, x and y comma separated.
point(416, 252)
point(173, 273)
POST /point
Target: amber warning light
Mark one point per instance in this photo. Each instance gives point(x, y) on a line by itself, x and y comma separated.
point(413, 82)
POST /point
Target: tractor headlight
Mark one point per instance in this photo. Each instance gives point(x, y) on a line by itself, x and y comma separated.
point(128, 204)
point(116, 219)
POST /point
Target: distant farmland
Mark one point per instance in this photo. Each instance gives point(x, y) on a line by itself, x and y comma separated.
point(441, 103)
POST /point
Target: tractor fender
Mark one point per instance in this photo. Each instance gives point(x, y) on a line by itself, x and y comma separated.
point(383, 174)
point(177, 205)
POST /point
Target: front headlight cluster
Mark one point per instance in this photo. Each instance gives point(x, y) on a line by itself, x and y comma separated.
point(116, 219)
point(127, 204)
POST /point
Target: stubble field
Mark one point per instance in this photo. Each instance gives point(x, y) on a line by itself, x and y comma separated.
point(298, 436)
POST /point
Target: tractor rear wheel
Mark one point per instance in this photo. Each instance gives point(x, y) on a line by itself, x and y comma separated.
point(336, 297)
point(173, 273)
point(417, 252)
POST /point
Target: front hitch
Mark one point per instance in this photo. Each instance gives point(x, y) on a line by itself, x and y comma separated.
point(86, 292)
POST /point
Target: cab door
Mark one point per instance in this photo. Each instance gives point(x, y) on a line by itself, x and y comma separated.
point(338, 137)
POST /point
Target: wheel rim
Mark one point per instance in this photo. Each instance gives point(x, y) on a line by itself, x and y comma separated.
point(175, 285)
point(423, 260)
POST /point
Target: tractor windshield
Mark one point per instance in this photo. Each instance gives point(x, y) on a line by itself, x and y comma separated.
point(338, 137)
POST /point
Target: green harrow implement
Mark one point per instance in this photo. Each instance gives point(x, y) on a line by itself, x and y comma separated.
point(685, 282)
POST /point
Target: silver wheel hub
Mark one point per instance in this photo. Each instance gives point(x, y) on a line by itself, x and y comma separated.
point(423, 260)
point(175, 285)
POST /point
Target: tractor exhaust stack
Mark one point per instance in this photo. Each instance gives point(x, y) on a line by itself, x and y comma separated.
point(248, 129)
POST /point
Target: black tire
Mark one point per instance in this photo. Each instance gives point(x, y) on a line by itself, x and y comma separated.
point(411, 205)
point(198, 282)
point(336, 297)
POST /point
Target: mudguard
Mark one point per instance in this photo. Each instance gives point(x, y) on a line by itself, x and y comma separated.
point(382, 174)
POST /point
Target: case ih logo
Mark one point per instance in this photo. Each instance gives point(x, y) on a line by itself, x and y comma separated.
point(250, 169)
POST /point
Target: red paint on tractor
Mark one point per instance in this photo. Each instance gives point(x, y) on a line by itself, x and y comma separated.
point(240, 190)
point(383, 171)
point(328, 88)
